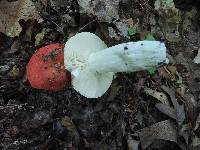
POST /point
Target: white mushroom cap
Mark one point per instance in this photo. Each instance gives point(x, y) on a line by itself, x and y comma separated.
point(76, 53)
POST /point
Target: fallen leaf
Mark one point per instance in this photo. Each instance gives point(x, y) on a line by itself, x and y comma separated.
point(28, 33)
point(180, 111)
point(195, 141)
point(40, 4)
point(197, 58)
point(40, 118)
point(15, 47)
point(122, 27)
point(14, 72)
point(12, 12)
point(105, 10)
point(167, 110)
point(170, 18)
point(164, 130)
point(132, 144)
point(139, 117)
point(191, 107)
point(130, 22)
point(143, 34)
point(168, 72)
point(182, 60)
point(158, 95)
point(166, 5)
point(59, 4)
point(197, 122)
point(184, 132)
point(65, 130)
point(39, 37)
point(113, 34)
point(4, 68)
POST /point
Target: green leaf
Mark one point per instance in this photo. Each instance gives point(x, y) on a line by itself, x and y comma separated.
point(150, 37)
point(151, 71)
point(132, 31)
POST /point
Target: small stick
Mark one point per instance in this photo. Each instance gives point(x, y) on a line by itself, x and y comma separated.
point(86, 25)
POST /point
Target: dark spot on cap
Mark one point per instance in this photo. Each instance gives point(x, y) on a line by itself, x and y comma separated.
point(161, 63)
point(125, 48)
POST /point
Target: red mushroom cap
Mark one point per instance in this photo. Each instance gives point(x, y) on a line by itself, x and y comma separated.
point(46, 70)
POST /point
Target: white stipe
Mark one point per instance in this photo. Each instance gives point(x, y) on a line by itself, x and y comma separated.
point(128, 57)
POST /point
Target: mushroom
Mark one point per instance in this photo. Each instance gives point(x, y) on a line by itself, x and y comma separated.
point(46, 70)
point(93, 65)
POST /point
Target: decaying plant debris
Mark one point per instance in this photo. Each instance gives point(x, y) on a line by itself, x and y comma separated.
point(143, 110)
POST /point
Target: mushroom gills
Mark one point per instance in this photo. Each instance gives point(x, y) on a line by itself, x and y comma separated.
point(90, 84)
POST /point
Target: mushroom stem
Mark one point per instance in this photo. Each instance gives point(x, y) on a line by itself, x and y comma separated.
point(128, 57)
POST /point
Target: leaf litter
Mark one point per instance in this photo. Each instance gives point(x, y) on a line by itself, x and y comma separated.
point(164, 130)
point(12, 12)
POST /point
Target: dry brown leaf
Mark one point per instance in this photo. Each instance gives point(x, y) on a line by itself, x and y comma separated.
point(105, 10)
point(14, 72)
point(44, 2)
point(164, 130)
point(132, 144)
point(196, 141)
point(197, 123)
point(158, 95)
point(39, 37)
point(167, 110)
point(179, 108)
point(168, 72)
point(12, 12)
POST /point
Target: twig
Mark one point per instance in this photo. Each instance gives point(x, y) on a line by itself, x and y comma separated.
point(87, 25)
